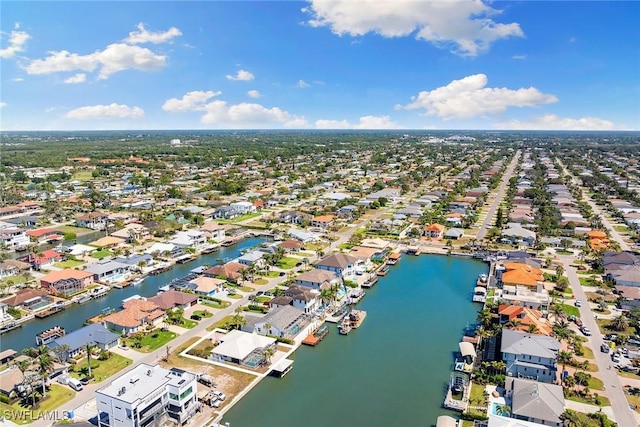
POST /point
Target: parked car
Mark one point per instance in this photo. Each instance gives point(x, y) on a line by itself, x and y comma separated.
point(195, 317)
point(605, 348)
point(615, 357)
point(610, 337)
point(586, 331)
point(220, 395)
point(578, 303)
point(215, 403)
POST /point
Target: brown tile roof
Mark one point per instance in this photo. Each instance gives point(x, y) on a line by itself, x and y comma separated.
point(172, 298)
point(23, 295)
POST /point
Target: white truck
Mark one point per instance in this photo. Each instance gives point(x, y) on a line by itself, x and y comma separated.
point(70, 381)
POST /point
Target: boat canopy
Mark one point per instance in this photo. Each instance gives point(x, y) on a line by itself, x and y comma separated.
point(467, 349)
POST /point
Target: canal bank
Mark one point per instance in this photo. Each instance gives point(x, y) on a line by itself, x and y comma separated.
point(75, 315)
point(391, 371)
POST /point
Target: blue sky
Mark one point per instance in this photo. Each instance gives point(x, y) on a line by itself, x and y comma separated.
point(338, 64)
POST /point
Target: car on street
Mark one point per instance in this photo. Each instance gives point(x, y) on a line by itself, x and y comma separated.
point(578, 303)
point(605, 347)
point(615, 357)
point(586, 331)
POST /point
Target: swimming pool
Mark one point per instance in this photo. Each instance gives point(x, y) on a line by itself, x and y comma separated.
point(500, 409)
point(254, 361)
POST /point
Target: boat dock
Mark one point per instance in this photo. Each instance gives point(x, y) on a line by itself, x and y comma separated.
point(412, 250)
point(352, 320)
point(316, 336)
point(50, 335)
point(183, 259)
point(370, 283)
point(9, 327)
point(393, 259)
point(383, 271)
point(49, 312)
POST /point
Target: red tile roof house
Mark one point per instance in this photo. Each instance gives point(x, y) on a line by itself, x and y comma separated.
point(435, 231)
point(323, 221)
point(135, 316)
point(47, 258)
point(291, 245)
point(174, 299)
point(231, 270)
point(45, 234)
point(66, 282)
point(29, 299)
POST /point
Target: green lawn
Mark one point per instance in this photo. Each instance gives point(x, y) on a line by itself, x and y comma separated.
point(239, 219)
point(604, 401)
point(262, 299)
point(261, 281)
point(273, 274)
point(222, 323)
point(288, 263)
point(204, 313)
point(214, 304)
point(596, 384)
point(102, 253)
point(153, 340)
point(56, 396)
point(71, 229)
point(82, 176)
point(571, 310)
point(589, 281)
point(246, 288)
point(70, 263)
point(187, 323)
point(104, 369)
point(235, 296)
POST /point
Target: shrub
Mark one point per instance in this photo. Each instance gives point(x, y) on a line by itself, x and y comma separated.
point(4, 398)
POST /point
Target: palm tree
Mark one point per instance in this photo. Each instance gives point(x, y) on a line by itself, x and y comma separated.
point(564, 358)
point(620, 323)
point(268, 353)
point(570, 418)
point(485, 317)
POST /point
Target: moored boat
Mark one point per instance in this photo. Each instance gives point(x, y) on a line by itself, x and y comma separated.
point(50, 335)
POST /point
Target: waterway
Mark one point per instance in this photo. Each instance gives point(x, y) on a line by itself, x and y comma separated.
point(393, 370)
point(75, 315)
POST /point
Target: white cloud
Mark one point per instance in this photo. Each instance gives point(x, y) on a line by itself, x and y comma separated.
point(470, 97)
point(78, 78)
point(17, 40)
point(17, 79)
point(302, 84)
point(520, 57)
point(466, 27)
point(244, 115)
point(145, 36)
point(111, 111)
point(191, 101)
point(3, 104)
point(365, 122)
point(115, 57)
point(553, 122)
point(254, 94)
point(241, 75)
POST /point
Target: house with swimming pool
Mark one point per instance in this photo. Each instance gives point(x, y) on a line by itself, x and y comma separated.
point(243, 348)
point(530, 356)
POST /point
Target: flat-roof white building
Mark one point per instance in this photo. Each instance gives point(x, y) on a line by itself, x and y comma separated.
point(148, 395)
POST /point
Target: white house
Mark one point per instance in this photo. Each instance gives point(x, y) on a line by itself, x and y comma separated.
point(13, 238)
point(530, 356)
point(148, 395)
point(243, 207)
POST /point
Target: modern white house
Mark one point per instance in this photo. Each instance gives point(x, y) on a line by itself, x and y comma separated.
point(243, 207)
point(148, 395)
point(13, 238)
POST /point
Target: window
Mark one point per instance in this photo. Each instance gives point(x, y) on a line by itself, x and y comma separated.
point(186, 393)
point(173, 396)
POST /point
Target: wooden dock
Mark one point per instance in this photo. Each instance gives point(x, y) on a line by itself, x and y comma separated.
point(370, 283)
point(316, 336)
point(49, 312)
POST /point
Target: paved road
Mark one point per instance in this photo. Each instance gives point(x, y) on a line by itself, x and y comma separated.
point(596, 209)
point(624, 416)
point(499, 195)
point(81, 399)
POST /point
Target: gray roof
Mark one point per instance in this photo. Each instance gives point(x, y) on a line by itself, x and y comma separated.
point(282, 317)
point(103, 267)
point(536, 400)
point(93, 333)
point(522, 343)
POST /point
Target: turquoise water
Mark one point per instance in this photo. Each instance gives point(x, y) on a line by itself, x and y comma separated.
point(392, 371)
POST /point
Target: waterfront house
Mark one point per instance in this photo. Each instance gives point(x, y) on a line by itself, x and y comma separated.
point(206, 286)
point(133, 232)
point(290, 246)
point(302, 236)
point(164, 249)
point(243, 348)
point(524, 319)
point(136, 261)
point(303, 298)
point(146, 395)
point(341, 264)
point(434, 231)
point(283, 321)
point(43, 260)
point(137, 314)
point(523, 296)
point(230, 271)
point(168, 300)
point(252, 258)
point(92, 220)
point(317, 279)
point(43, 235)
point(530, 356)
point(7, 356)
point(213, 231)
point(108, 271)
point(77, 341)
point(107, 242)
point(516, 234)
point(190, 238)
point(66, 282)
point(13, 238)
point(28, 299)
point(454, 233)
point(535, 402)
point(517, 273)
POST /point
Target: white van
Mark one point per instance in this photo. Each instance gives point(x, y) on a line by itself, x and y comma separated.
point(74, 384)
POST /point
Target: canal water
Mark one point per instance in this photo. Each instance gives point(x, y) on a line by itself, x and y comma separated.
point(75, 315)
point(393, 370)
